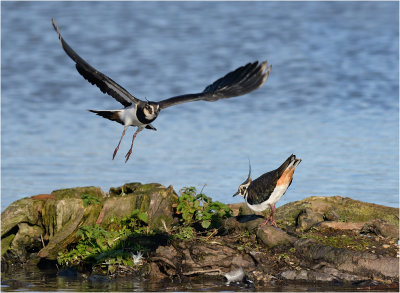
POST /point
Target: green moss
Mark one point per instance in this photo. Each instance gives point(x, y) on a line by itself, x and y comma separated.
point(6, 243)
point(135, 188)
point(143, 202)
point(23, 210)
point(345, 209)
point(356, 211)
point(339, 239)
point(91, 214)
point(287, 214)
point(78, 192)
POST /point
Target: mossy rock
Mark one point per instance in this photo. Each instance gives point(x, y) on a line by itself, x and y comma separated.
point(154, 199)
point(27, 239)
point(6, 243)
point(343, 208)
point(61, 219)
point(23, 210)
point(57, 216)
point(79, 192)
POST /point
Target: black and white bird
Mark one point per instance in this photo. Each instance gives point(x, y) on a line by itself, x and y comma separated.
point(142, 113)
point(266, 190)
point(237, 276)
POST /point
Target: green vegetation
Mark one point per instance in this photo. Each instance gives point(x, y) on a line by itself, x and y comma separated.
point(331, 238)
point(89, 199)
point(198, 212)
point(109, 247)
point(200, 209)
point(121, 242)
point(185, 233)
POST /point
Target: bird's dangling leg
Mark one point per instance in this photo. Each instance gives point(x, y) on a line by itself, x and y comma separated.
point(128, 154)
point(116, 149)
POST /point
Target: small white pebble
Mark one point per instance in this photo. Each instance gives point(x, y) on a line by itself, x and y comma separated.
point(385, 245)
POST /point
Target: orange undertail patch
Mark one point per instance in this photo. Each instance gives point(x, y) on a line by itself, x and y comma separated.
point(286, 177)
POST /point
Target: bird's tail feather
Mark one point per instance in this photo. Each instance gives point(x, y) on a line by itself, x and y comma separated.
point(290, 162)
point(109, 114)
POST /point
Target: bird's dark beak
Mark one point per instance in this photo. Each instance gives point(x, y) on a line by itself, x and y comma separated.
point(235, 194)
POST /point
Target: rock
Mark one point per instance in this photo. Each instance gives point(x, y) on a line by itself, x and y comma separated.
point(289, 275)
point(354, 262)
point(6, 243)
point(381, 227)
point(338, 275)
point(59, 215)
point(243, 223)
point(61, 219)
point(308, 219)
point(295, 275)
point(236, 207)
point(154, 199)
point(331, 215)
point(26, 211)
point(266, 234)
point(194, 258)
point(21, 211)
point(78, 192)
point(27, 239)
point(356, 227)
point(335, 208)
point(272, 236)
point(155, 273)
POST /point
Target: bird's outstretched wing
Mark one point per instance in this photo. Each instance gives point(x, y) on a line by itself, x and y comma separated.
point(102, 81)
point(236, 83)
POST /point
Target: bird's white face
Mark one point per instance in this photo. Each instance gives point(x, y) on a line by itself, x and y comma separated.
point(151, 110)
point(242, 190)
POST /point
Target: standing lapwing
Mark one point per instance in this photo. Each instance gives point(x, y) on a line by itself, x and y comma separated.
point(266, 190)
point(141, 113)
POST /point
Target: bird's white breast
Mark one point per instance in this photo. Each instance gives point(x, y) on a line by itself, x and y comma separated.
point(128, 116)
point(274, 197)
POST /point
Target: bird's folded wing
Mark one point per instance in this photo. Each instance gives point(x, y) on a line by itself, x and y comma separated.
point(103, 82)
point(236, 83)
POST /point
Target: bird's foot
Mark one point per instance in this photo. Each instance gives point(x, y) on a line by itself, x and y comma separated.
point(128, 154)
point(270, 219)
point(115, 152)
point(266, 221)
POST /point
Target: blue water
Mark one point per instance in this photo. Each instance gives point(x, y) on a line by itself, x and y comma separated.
point(332, 97)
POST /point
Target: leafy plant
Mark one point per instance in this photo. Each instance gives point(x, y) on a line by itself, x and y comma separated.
point(89, 199)
point(186, 233)
point(136, 220)
point(200, 209)
point(107, 247)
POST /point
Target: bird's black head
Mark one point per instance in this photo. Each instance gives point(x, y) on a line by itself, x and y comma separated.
point(151, 110)
point(242, 190)
point(148, 111)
